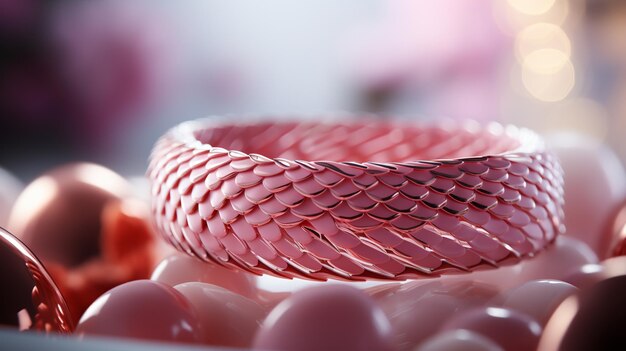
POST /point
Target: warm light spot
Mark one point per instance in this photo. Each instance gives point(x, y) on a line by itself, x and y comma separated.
point(532, 7)
point(511, 21)
point(101, 177)
point(34, 199)
point(548, 75)
point(541, 36)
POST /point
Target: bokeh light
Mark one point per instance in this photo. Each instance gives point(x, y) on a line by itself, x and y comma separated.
point(532, 7)
point(548, 75)
point(541, 36)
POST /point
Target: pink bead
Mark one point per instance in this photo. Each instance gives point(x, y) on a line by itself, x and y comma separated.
point(538, 298)
point(595, 185)
point(142, 309)
point(585, 276)
point(418, 309)
point(511, 330)
point(559, 260)
point(332, 317)
point(590, 274)
point(459, 340)
point(179, 268)
point(226, 318)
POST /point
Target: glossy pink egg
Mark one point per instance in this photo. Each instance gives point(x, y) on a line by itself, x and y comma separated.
point(142, 309)
point(511, 330)
point(595, 185)
point(538, 298)
point(180, 268)
point(332, 317)
point(226, 318)
point(464, 340)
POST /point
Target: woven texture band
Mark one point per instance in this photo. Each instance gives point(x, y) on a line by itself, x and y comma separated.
point(413, 200)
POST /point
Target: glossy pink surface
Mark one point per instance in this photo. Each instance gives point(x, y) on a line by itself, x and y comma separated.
point(559, 260)
point(462, 340)
point(513, 331)
point(539, 298)
point(585, 276)
point(595, 185)
point(226, 319)
point(142, 309)
point(178, 268)
point(385, 215)
point(332, 317)
point(412, 304)
point(58, 215)
point(29, 298)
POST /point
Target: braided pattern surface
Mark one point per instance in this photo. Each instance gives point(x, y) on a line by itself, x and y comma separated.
point(416, 200)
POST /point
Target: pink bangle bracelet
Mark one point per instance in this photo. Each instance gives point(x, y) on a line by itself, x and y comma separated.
point(412, 201)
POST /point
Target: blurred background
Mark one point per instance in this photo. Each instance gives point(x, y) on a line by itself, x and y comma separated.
point(100, 80)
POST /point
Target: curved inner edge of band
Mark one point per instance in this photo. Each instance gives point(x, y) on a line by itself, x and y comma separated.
point(367, 141)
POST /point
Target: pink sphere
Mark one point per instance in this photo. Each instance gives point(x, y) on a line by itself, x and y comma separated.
point(179, 268)
point(591, 274)
point(595, 185)
point(333, 317)
point(510, 329)
point(538, 298)
point(585, 276)
point(225, 318)
point(557, 261)
point(142, 309)
point(418, 309)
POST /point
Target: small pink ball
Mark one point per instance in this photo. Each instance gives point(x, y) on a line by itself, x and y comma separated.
point(538, 298)
point(585, 276)
point(142, 309)
point(179, 268)
point(512, 330)
point(558, 260)
point(333, 317)
point(595, 185)
point(418, 309)
point(226, 318)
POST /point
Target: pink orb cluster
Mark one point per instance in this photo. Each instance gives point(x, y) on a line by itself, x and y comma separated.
point(568, 297)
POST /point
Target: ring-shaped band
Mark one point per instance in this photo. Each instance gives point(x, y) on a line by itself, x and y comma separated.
point(362, 199)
